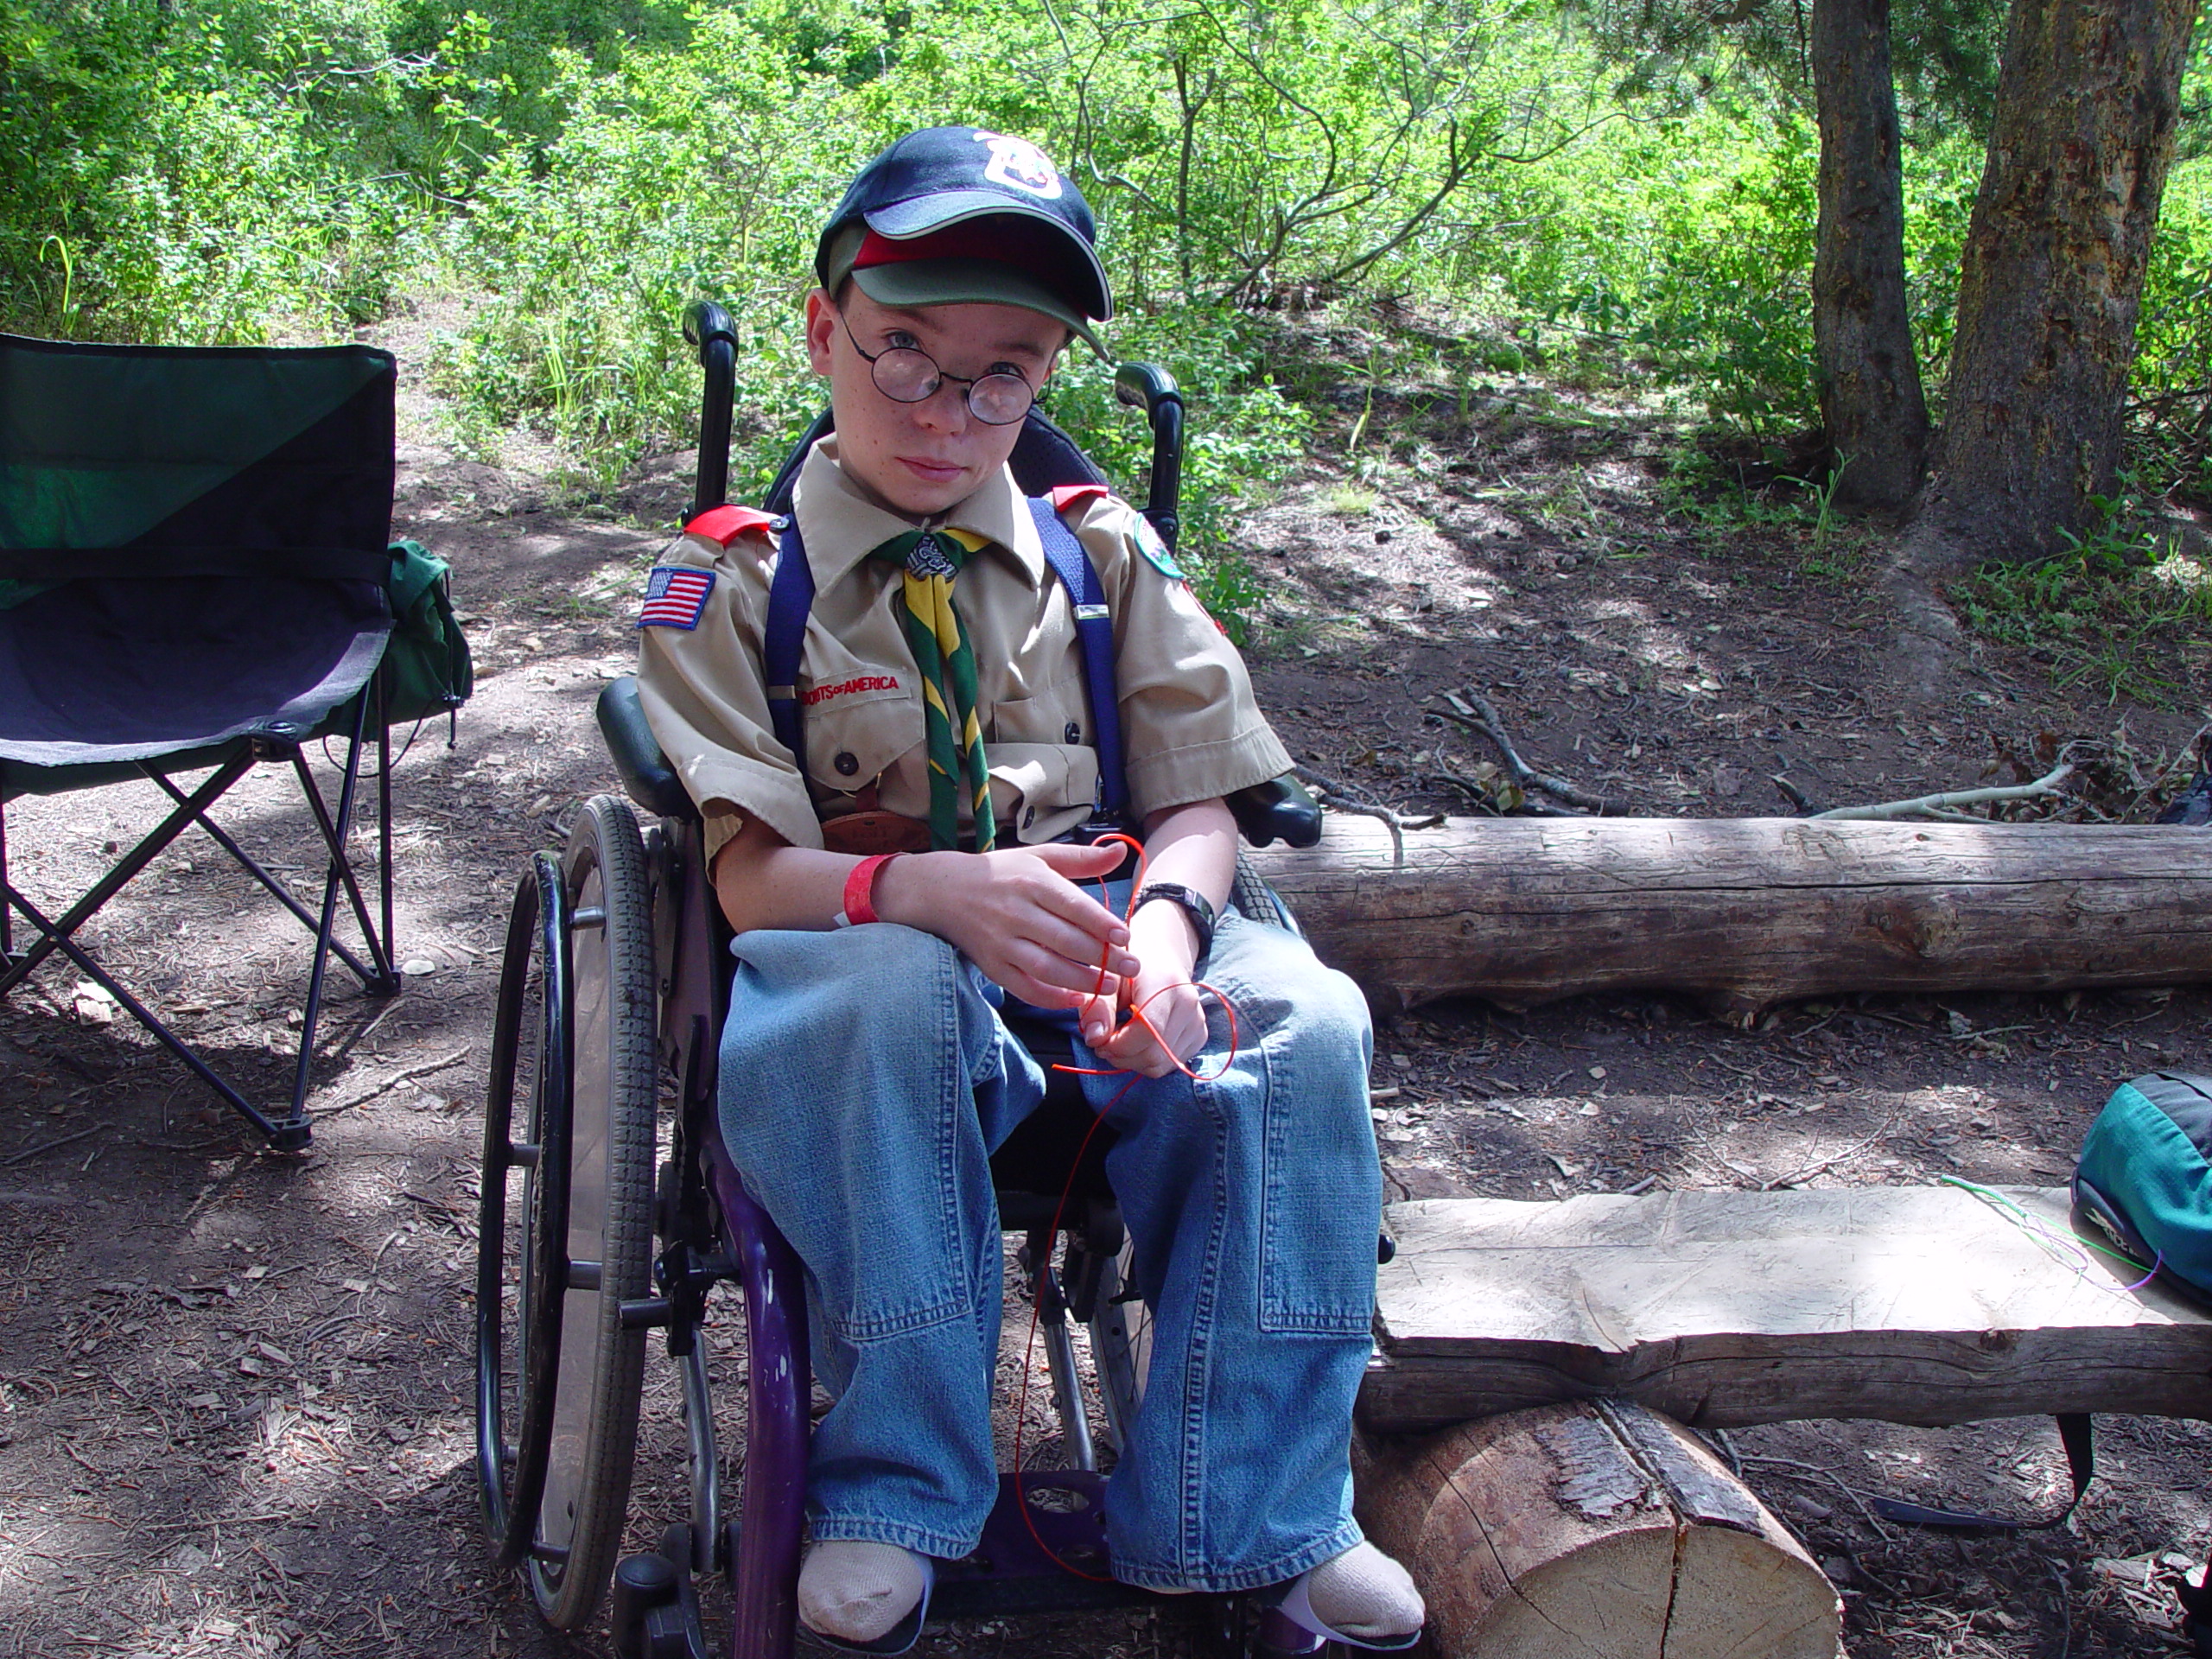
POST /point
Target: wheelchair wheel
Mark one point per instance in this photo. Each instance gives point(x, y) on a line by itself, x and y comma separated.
point(518, 1319)
point(1258, 902)
point(587, 1208)
point(1121, 1343)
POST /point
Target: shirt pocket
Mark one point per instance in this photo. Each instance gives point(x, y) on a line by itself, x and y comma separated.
point(1042, 764)
point(856, 720)
point(1034, 784)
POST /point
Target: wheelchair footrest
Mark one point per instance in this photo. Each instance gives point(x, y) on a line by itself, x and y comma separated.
point(1062, 1565)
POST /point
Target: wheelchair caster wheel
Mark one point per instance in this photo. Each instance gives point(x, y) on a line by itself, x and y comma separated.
point(642, 1584)
point(573, 1058)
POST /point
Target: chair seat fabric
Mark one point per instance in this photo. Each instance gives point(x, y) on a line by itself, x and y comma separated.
point(105, 670)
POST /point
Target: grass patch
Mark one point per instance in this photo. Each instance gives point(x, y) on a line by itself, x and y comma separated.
point(2116, 611)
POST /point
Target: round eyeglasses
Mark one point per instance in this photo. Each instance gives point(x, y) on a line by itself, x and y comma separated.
point(906, 374)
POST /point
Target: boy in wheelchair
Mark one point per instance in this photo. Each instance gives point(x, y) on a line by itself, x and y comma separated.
point(911, 870)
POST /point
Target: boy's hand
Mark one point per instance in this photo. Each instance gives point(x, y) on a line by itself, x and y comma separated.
point(1017, 914)
point(1173, 1028)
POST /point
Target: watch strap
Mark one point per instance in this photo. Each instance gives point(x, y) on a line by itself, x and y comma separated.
point(1194, 904)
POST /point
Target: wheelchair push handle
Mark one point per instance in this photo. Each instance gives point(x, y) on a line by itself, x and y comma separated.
point(704, 323)
point(1145, 386)
point(708, 327)
point(1149, 387)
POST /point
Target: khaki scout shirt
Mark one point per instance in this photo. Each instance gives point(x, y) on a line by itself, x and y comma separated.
point(1189, 727)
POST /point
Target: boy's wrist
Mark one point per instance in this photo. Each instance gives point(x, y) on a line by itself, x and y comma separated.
point(862, 887)
point(1159, 933)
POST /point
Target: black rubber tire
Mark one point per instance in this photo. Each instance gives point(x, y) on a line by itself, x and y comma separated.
point(1258, 902)
point(615, 1093)
point(517, 1325)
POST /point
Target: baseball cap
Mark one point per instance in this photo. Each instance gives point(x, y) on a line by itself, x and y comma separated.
point(952, 214)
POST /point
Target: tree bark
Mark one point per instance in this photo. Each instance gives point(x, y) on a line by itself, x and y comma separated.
point(1602, 1531)
point(1749, 911)
point(2057, 249)
point(1871, 399)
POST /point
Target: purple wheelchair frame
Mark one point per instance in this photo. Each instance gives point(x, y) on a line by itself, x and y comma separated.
point(655, 1612)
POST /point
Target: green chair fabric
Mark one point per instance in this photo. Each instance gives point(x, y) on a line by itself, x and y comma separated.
point(195, 572)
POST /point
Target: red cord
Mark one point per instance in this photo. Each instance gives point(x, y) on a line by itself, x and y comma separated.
point(1051, 1236)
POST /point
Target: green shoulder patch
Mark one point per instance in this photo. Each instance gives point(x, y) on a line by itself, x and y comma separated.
point(1155, 551)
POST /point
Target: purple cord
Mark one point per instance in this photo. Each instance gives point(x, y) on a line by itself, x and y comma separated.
point(2156, 1261)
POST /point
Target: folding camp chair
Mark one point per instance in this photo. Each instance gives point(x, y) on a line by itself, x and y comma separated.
point(194, 575)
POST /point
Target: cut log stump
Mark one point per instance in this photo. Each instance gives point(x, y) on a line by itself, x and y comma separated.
point(1592, 1531)
point(1749, 911)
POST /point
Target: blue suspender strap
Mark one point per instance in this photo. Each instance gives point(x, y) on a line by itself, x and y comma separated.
point(791, 596)
point(1094, 626)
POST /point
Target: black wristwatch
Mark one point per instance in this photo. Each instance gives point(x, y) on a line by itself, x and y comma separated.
point(1194, 904)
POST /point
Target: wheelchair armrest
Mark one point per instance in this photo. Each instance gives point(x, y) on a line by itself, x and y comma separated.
point(651, 781)
point(1279, 809)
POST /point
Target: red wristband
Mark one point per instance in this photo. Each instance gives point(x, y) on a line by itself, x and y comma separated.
point(860, 890)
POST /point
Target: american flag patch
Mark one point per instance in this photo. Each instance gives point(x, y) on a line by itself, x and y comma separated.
point(675, 596)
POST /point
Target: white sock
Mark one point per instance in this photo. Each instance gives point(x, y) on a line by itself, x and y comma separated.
point(1365, 1594)
point(855, 1590)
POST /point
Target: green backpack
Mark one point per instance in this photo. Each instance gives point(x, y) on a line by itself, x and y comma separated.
point(2146, 1177)
point(426, 666)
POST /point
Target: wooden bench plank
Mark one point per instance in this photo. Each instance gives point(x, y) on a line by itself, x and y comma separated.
point(1915, 1305)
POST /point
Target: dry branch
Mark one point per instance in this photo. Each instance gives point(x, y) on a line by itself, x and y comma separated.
point(1948, 803)
point(1467, 708)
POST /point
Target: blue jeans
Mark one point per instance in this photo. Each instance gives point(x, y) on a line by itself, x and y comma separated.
point(865, 1076)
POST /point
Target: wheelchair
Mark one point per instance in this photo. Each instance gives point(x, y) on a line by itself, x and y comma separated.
point(605, 1217)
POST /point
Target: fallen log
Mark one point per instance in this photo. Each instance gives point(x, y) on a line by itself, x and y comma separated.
point(1912, 1304)
point(1749, 911)
point(1598, 1531)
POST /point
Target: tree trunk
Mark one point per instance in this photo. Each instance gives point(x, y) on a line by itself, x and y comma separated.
point(2055, 258)
point(1749, 911)
point(1598, 1530)
point(1871, 400)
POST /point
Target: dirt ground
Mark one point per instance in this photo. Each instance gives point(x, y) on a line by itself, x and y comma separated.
point(235, 1408)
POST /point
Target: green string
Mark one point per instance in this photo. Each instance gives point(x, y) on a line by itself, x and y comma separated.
point(2034, 1226)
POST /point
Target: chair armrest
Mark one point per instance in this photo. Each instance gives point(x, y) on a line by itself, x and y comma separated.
point(1279, 809)
point(645, 774)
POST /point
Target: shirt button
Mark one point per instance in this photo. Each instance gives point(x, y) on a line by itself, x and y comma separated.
point(1073, 735)
point(847, 763)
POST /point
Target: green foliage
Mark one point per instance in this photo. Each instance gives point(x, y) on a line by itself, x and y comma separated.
point(1685, 246)
point(1944, 56)
point(1629, 201)
point(2172, 425)
point(165, 173)
point(2120, 608)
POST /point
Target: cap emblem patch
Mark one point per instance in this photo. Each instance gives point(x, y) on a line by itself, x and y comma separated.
point(1019, 165)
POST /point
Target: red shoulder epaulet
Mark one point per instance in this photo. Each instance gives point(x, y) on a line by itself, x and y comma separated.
point(1069, 495)
point(724, 524)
